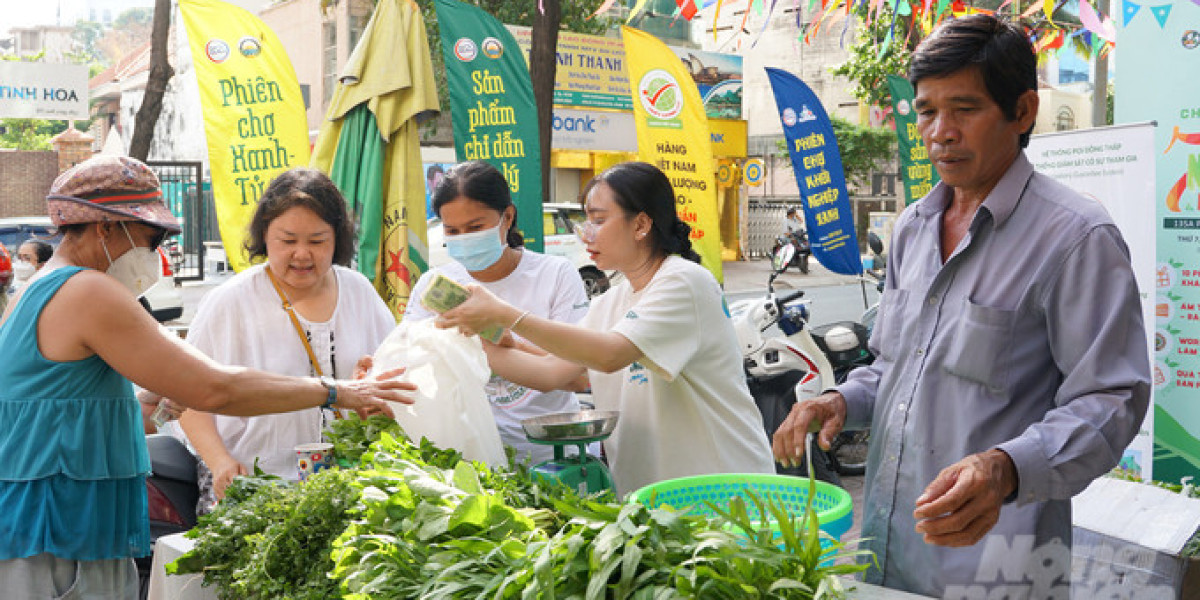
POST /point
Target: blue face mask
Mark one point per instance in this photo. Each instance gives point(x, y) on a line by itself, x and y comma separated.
point(478, 250)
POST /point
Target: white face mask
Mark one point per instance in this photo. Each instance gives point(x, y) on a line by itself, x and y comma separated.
point(137, 269)
point(23, 270)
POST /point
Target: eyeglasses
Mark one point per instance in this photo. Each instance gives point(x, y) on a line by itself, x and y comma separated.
point(586, 230)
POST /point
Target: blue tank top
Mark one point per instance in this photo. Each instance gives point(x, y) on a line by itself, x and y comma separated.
point(73, 473)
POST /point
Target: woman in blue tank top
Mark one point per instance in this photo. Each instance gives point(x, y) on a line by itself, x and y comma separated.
point(73, 479)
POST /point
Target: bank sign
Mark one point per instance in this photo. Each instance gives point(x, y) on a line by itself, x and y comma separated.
point(52, 91)
point(594, 130)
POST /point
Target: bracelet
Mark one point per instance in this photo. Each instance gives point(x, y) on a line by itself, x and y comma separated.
point(513, 327)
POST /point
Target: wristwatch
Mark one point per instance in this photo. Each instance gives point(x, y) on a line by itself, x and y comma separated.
point(330, 385)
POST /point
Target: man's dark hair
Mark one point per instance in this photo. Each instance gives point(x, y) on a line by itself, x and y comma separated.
point(999, 49)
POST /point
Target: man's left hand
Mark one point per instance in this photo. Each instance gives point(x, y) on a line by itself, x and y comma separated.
point(963, 503)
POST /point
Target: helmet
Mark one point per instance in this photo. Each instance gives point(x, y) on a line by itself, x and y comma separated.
point(840, 339)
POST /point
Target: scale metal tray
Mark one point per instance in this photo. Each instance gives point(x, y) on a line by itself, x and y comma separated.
point(585, 425)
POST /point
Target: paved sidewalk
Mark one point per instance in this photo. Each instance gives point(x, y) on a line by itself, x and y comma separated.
point(751, 276)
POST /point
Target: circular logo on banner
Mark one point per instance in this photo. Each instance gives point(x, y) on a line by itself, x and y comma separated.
point(660, 94)
point(789, 117)
point(216, 50)
point(1162, 342)
point(903, 107)
point(249, 47)
point(753, 172)
point(492, 48)
point(465, 49)
point(724, 175)
point(1191, 39)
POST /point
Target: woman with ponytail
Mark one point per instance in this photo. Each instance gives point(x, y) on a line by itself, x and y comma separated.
point(658, 347)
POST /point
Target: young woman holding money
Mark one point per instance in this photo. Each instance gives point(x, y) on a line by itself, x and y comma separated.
point(303, 229)
point(658, 347)
point(478, 218)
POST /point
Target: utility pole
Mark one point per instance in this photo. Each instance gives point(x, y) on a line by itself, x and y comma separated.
point(1100, 79)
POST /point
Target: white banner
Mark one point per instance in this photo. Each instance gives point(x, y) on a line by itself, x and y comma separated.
point(594, 130)
point(54, 91)
point(1115, 166)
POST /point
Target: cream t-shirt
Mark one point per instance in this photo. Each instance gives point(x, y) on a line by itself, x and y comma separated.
point(685, 408)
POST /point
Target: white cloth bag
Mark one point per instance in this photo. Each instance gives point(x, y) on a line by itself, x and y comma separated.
point(450, 371)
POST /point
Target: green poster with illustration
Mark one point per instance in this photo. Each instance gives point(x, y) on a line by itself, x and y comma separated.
point(491, 101)
point(1158, 79)
point(916, 170)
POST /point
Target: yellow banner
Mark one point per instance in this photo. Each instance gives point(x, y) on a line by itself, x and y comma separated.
point(253, 112)
point(673, 134)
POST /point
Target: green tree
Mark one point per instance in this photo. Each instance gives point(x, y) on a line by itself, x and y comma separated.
point(26, 134)
point(878, 51)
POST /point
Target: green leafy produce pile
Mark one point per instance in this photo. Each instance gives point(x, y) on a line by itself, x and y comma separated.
point(415, 521)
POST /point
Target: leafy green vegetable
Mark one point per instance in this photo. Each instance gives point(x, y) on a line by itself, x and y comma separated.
point(415, 521)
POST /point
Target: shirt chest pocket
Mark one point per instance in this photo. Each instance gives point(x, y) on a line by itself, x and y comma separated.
point(889, 326)
point(981, 344)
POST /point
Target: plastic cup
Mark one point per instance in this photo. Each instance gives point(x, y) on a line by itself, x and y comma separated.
point(313, 457)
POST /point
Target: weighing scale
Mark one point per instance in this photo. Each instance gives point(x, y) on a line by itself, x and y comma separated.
point(582, 473)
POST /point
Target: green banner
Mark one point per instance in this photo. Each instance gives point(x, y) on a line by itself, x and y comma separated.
point(916, 170)
point(491, 100)
point(1155, 81)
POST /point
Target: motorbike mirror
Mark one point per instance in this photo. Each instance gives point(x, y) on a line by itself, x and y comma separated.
point(874, 242)
point(783, 256)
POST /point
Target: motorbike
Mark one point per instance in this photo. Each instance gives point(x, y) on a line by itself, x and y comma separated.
point(780, 370)
point(801, 251)
point(845, 345)
point(172, 492)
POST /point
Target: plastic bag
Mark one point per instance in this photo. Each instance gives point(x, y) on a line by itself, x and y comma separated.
point(450, 371)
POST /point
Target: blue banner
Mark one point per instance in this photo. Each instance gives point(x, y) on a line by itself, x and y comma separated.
point(818, 167)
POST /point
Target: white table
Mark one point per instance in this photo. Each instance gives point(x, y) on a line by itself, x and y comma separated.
point(175, 587)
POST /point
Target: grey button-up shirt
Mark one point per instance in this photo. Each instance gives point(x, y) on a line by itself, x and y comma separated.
point(1028, 339)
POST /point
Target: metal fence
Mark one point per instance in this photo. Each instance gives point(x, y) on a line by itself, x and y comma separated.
point(183, 190)
point(765, 219)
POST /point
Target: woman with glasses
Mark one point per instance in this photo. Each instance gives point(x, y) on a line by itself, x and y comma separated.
point(479, 221)
point(73, 479)
point(658, 347)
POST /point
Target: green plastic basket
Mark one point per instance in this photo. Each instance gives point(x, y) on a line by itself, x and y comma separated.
point(834, 506)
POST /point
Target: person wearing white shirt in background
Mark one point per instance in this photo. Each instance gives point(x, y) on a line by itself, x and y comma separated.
point(478, 216)
point(658, 347)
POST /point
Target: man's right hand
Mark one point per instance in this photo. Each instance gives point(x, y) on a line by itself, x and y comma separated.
point(825, 414)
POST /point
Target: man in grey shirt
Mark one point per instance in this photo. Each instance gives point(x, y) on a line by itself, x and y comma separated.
point(1012, 363)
